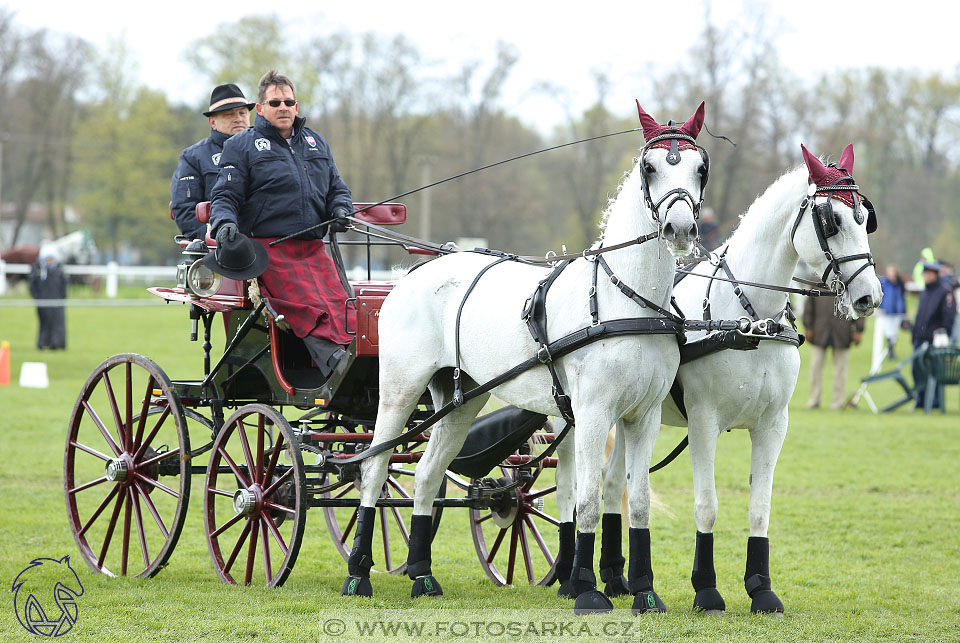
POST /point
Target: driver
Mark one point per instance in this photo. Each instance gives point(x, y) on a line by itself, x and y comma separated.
point(276, 179)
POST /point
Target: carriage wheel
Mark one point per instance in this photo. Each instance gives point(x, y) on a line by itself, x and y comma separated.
point(392, 528)
point(517, 533)
point(254, 501)
point(127, 468)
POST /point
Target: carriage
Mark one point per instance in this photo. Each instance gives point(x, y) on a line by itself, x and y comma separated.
point(267, 435)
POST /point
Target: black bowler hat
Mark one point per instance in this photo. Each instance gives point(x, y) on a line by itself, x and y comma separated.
point(224, 97)
point(242, 258)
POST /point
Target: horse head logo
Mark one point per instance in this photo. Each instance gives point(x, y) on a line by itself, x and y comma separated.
point(45, 596)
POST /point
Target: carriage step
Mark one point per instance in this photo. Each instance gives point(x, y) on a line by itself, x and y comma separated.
point(492, 438)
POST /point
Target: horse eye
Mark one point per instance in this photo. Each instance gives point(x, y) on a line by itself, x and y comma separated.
point(648, 168)
point(702, 170)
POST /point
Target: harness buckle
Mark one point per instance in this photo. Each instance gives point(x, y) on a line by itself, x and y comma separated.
point(738, 291)
point(616, 280)
point(543, 354)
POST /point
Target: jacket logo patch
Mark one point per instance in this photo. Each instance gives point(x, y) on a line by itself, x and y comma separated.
point(262, 144)
point(216, 158)
point(312, 142)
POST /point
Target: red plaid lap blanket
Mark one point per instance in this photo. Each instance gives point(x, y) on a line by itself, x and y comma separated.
point(303, 286)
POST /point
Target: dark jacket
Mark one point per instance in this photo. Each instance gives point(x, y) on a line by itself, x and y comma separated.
point(936, 309)
point(193, 182)
point(272, 189)
point(828, 329)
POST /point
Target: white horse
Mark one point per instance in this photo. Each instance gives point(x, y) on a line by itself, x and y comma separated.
point(620, 379)
point(751, 389)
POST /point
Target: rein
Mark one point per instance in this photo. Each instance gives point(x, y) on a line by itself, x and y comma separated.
point(461, 175)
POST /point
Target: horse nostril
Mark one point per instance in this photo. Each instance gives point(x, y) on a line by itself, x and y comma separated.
point(669, 232)
point(864, 303)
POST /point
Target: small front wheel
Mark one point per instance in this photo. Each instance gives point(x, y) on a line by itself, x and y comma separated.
point(254, 500)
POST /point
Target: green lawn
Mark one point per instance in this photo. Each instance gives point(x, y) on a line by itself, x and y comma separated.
point(864, 528)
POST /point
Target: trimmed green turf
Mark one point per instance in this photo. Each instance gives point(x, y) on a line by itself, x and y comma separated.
point(864, 544)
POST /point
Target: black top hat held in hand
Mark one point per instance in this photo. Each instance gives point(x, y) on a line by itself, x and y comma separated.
point(242, 258)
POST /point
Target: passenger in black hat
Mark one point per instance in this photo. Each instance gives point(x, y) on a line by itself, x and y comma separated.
point(196, 173)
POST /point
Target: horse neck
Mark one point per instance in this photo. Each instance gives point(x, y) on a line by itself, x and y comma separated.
point(761, 249)
point(648, 267)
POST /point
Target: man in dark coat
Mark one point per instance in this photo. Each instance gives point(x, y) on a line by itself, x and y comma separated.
point(48, 281)
point(278, 178)
point(823, 330)
point(196, 172)
point(935, 312)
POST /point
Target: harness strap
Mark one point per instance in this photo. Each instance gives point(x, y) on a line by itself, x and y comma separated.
point(558, 348)
point(641, 301)
point(535, 315)
point(457, 389)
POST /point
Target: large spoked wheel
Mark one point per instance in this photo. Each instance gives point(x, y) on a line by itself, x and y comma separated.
point(127, 468)
point(254, 501)
point(392, 533)
point(516, 532)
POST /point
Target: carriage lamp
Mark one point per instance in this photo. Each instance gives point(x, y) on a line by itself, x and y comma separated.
point(202, 281)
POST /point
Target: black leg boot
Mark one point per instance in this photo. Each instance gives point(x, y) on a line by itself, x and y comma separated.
point(418, 558)
point(704, 578)
point(640, 578)
point(361, 556)
point(584, 581)
point(756, 579)
point(567, 547)
point(611, 557)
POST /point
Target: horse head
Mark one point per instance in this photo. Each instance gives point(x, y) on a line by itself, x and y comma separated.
point(834, 240)
point(43, 584)
point(674, 171)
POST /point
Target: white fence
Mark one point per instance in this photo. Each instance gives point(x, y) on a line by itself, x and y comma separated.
point(112, 273)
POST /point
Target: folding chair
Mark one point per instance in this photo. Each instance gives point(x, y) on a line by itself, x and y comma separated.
point(943, 369)
point(909, 392)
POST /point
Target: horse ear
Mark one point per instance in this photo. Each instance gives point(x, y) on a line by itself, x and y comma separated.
point(649, 124)
point(695, 122)
point(815, 167)
point(846, 159)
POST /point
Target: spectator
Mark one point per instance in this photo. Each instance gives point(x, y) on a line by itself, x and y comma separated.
point(892, 308)
point(936, 311)
point(824, 330)
point(950, 280)
point(276, 179)
point(48, 281)
point(926, 256)
point(196, 172)
point(708, 229)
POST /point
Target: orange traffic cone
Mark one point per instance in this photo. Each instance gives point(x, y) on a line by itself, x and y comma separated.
point(4, 363)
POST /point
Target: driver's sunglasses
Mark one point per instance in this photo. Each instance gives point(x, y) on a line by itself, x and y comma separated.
point(289, 102)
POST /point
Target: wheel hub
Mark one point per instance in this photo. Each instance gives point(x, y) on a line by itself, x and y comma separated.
point(117, 470)
point(244, 502)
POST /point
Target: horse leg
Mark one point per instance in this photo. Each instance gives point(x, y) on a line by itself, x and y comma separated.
point(566, 502)
point(589, 445)
point(766, 443)
point(611, 534)
point(397, 402)
point(446, 440)
point(640, 434)
point(703, 446)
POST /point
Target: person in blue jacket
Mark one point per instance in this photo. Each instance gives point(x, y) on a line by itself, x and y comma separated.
point(276, 179)
point(196, 172)
point(892, 308)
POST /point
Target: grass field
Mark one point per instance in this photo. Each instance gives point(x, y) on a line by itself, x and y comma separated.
point(865, 528)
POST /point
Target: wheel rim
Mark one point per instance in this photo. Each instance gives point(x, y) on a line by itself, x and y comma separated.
point(127, 468)
point(513, 541)
point(391, 531)
point(254, 503)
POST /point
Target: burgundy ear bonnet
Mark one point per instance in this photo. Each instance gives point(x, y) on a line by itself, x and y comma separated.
point(824, 176)
point(652, 129)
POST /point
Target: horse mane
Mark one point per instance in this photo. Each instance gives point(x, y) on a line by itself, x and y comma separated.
point(773, 198)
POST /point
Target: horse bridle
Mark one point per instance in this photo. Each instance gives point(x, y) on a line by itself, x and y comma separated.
point(674, 135)
point(826, 224)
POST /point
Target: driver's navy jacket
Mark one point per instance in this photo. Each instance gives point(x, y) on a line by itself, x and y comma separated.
point(272, 189)
point(193, 182)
